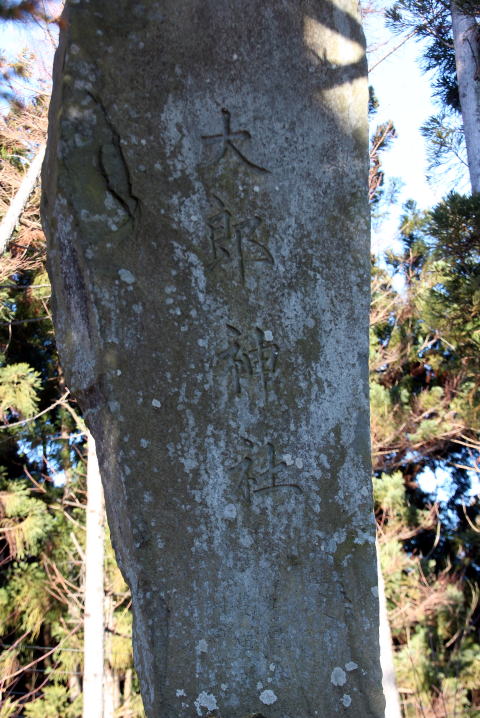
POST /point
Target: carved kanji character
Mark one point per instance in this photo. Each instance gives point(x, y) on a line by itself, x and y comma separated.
point(227, 141)
point(234, 241)
point(259, 470)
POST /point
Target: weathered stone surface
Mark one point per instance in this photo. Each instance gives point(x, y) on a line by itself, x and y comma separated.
point(205, 201)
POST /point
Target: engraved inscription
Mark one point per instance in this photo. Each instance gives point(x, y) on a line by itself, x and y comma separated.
point(235, 241)
point(260, 471)
point(250, 357)
point(227, 142)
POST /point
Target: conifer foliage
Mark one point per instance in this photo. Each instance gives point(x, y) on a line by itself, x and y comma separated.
point(425, 383)
point(431, 21)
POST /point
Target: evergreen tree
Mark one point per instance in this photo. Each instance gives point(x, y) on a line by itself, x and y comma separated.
point(451, 49)
point(431, 22)
point(425, 378)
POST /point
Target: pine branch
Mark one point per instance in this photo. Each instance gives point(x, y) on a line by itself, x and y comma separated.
point(37, 416)
point(397, 47)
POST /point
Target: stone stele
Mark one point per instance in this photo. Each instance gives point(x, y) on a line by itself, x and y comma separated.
point(205, 200)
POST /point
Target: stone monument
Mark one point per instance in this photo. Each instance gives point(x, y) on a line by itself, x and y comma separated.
point(205, 201)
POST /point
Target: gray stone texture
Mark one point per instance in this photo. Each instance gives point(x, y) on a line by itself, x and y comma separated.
point(205, 200)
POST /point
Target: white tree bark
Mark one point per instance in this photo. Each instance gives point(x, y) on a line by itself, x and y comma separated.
point(467, 58)
point(8, 223)
point(111, 698)
point(111, 680)
point(127, 694)
point(94, 593)
point(392, 699)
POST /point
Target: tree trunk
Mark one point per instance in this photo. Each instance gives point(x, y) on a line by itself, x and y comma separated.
point(74, 682)
point(111, 682)
point(127, 693)
point(392, 699)
point(111, 698)
point(7, 226)
point(94, 594)
point(467, 60)
point(74, 688)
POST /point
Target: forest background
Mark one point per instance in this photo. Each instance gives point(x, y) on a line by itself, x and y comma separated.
point(425, 391)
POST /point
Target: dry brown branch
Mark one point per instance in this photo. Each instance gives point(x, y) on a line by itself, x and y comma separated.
point(42, 658)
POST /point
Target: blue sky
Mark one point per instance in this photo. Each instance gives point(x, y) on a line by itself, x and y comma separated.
point(33, 37)
point(404, 95)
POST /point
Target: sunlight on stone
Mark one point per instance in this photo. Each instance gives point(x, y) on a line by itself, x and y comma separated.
point(343, 98)
point(342, 51)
